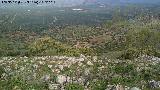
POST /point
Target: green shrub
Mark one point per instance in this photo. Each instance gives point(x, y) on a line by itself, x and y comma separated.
point(99, 85)
point(157, 54)
point(130, 53)
point(124, 68)
point(74, 87)
point(145, 41)
point(1, 71)
point(116, 80)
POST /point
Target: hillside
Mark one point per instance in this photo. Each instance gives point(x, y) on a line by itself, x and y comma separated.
point(81, 45)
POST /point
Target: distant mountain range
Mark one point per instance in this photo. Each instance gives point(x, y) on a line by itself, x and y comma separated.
point(92, 2)
point(140, 1)
point(121, 1)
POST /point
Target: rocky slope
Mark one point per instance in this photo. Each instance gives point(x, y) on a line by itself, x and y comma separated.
point(58, 72)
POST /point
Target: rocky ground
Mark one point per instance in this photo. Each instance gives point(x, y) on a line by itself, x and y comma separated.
point(73, 73)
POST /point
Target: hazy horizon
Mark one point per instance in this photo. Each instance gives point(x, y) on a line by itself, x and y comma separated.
point(70, 3)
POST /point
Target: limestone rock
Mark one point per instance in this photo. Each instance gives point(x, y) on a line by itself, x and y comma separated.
point(135, 88)
point(89, 63)
point(61, 79)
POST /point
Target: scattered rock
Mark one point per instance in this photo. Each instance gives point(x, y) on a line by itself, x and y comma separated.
point(154, 84)
point(61, 79)
point(53, 86)
point(89, 63)
point(50, 66)
point(119, 87)
point(60, 67)
point(95, 58)
point(45, 78)
point(135, 88)
point(87, 71)
point(82, 56)
point(80, 64)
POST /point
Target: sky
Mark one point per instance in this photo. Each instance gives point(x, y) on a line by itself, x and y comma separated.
point(79, 2)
